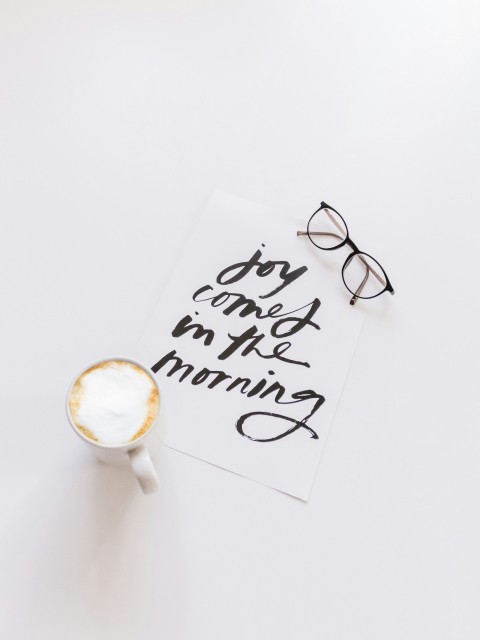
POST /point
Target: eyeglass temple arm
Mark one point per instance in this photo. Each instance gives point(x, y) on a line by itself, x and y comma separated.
point(360, 288)
point(377, 276)
point(333, 220)
point(320, 233)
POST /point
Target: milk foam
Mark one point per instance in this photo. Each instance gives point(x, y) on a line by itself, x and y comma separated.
point(114, 402)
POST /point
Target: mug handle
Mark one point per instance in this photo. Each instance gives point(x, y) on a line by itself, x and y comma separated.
point(143, 468)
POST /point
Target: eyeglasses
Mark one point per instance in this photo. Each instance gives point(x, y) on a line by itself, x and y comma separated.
point(363, 276)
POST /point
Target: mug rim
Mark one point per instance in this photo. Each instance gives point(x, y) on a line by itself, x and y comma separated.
point(126, 445)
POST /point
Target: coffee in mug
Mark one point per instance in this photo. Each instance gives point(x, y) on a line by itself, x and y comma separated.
point(113, 406)
point(114, 402)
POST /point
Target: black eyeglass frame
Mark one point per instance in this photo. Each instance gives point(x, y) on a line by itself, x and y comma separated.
point(355, 251)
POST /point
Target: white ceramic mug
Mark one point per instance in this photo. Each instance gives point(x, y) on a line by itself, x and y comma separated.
point(134, 454)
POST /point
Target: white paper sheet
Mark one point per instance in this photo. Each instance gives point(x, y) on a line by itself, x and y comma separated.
point(241, 248)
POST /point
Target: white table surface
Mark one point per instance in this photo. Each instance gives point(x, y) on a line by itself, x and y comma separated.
point(117, 119)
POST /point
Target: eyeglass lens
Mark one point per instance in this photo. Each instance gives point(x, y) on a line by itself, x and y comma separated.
point(363, 276)
point(326, 229)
